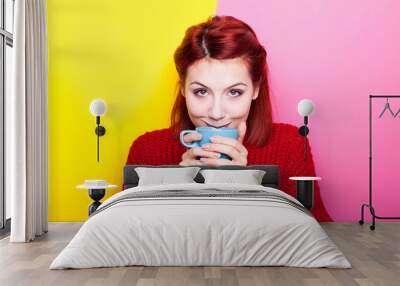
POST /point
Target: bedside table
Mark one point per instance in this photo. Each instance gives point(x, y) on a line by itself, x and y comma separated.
point(305, 190)
point(96, 190)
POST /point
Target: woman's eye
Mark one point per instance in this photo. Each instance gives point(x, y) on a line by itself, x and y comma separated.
point(200, 92)
point(235, 92)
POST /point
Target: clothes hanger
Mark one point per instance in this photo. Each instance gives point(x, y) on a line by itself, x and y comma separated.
point(398, 112)
point(387, 107)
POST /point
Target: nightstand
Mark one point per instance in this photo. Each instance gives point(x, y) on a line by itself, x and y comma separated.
point(96, 190)
point(305, 190)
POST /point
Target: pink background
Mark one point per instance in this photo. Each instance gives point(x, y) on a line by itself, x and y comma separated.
point(336, 53)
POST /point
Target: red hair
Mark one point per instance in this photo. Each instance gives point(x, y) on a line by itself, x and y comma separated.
point(225, 37)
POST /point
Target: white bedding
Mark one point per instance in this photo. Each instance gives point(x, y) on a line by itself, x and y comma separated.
point(189, 230)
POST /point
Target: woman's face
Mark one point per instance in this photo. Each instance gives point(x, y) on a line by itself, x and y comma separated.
point(219, 93)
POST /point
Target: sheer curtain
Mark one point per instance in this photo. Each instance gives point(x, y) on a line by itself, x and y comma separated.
point(26, 124)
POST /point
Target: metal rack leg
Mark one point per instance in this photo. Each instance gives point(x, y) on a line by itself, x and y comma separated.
point(372, 210)
point(361, 221)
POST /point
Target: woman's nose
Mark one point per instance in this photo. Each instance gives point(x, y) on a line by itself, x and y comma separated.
point(216, 112)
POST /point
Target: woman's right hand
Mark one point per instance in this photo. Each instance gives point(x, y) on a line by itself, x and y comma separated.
point(192, 156)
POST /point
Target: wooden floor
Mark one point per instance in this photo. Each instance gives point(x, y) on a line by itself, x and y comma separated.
point(375, 256)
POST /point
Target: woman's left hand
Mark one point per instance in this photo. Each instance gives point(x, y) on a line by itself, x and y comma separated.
point(229, 146)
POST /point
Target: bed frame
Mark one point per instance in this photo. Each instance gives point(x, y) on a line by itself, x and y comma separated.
point(270, 179)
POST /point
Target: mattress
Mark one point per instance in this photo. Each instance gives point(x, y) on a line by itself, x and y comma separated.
point(201, 225)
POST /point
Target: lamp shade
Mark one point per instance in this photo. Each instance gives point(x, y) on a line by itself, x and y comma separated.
point(305, 107)
point(98, 107)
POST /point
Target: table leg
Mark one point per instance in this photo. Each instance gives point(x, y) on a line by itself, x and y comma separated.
point(305, 193)
point(96, 195)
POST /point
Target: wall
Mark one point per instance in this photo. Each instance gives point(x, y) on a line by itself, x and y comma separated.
point(333, 52)
point(122, 52)
point(336, 53)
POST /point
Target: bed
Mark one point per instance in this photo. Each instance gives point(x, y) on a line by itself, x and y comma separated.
point(201, 224)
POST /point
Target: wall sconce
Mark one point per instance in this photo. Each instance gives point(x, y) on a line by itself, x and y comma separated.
point(98, 108)
point(305, 107)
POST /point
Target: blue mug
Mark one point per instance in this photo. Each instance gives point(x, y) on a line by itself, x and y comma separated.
point(206, 133)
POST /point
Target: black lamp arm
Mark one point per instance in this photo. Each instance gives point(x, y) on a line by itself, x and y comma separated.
point(305, 120)
point(303, 131)
point(100, 131)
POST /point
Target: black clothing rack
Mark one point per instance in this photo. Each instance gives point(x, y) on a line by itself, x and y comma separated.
point(369, 205)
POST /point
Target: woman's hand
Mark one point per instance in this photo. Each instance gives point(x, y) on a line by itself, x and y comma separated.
point(192, 155)
point(231, 147)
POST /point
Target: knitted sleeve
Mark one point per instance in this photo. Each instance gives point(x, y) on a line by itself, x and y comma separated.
point(156, 147)
point(297, 166)
point(136, 152)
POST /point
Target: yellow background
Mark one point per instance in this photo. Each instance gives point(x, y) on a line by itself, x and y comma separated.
point(119, 51)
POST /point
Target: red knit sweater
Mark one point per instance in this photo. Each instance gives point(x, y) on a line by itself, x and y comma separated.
point(284, 148)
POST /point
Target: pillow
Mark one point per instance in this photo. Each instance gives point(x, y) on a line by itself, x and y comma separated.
point(161, 176)
point(249, 177)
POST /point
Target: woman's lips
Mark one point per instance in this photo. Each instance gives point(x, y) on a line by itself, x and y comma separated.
point(217, 126)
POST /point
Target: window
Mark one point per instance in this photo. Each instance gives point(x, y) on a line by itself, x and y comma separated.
point(6, 62)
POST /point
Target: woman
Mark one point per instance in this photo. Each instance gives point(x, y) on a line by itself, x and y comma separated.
point(223, 83)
